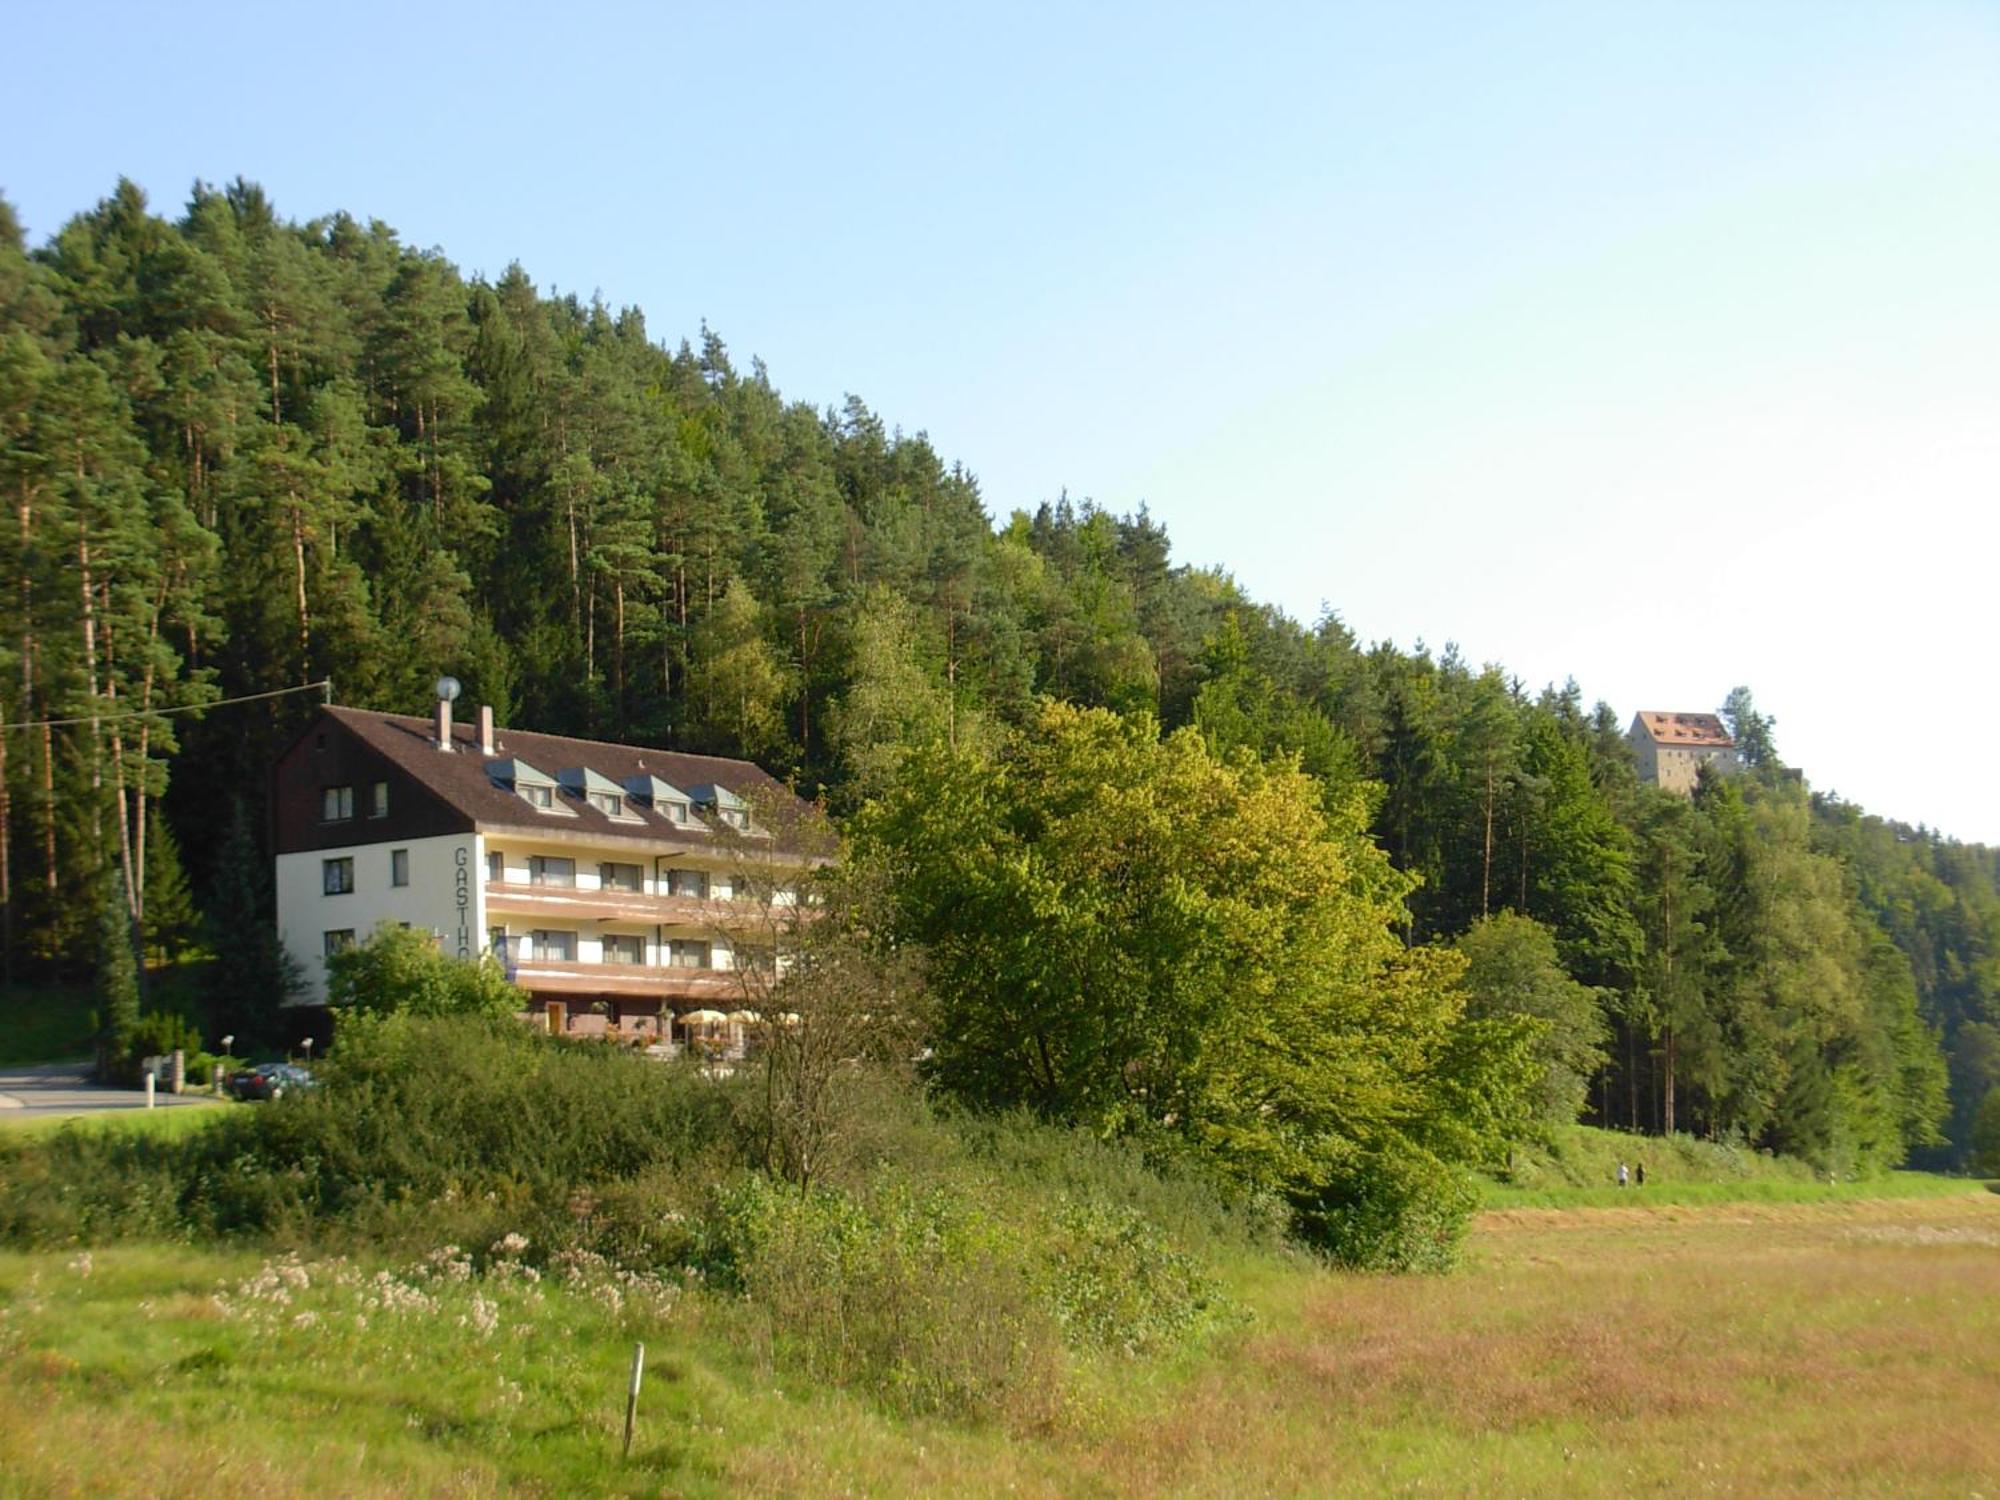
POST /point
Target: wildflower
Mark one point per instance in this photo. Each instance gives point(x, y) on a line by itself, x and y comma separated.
point(81, 1265)
point(485, 1316)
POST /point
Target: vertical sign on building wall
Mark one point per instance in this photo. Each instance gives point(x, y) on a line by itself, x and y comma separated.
point(462, 896)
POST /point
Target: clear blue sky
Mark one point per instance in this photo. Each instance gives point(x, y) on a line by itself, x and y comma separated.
point(1658, 346)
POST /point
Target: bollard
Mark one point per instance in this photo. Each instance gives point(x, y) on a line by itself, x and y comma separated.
point(149, 1088)
point(632, 1393)
point(177, 1082)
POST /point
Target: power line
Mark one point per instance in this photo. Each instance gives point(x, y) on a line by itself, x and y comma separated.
point(325, 684)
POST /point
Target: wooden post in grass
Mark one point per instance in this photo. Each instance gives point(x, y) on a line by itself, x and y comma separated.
point(632, 1393)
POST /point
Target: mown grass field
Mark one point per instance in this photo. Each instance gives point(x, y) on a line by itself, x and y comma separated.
point(1842, 1346)
point(166, 1122)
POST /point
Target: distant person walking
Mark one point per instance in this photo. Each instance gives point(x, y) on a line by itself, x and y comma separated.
point(1623, 1176)
point(1639, 1175)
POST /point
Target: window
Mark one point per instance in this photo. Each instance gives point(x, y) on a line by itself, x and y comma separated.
point(539, 796)
point(736, 817)
point(337, 941)
point(546, 869)
point(336, 804)
point(496, 942)
point(611, 804)
point(399, 867)
point(624, 948)
point(496, 867)
point(621, 877)
point(336, 876)
point(378, 800)
point(674, 812)
point(555, 947)
point(689, 954)
point(688, 883)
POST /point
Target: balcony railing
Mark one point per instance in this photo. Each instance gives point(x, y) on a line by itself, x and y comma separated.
point(561, 976)
point(559, 901)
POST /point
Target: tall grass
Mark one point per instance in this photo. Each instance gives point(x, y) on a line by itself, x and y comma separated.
point(945, 1264)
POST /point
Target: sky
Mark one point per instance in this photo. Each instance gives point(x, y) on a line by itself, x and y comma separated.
point(1657, 347)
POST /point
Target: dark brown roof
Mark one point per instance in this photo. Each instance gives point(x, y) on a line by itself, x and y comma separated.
point(460, 777)
point(1684, 729)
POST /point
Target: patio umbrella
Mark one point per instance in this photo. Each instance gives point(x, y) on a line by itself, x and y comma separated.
point(744, 1018)
point(702, 1018)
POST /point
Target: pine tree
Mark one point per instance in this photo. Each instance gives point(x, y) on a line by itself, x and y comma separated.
point(117, 985)
point(172, 921)
point(254, 976)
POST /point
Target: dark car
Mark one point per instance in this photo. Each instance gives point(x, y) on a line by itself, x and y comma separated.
point(269, 1080)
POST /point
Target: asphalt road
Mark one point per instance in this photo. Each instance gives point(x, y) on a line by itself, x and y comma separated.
point(66, 1089)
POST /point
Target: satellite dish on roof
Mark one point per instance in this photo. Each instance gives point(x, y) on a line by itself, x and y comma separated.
point(448, 689)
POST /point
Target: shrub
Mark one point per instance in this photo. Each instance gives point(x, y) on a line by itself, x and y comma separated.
point(1113, 1282)
point(411, 1114)
point(400, 970)
point(918, 1297)
point(1399, 1209)
point(1986, 1135)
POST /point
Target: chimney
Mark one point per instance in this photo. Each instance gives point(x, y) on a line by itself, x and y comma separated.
point(447, 690)
point(486, 746)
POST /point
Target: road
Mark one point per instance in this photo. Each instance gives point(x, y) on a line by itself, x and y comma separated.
point(66, 1089)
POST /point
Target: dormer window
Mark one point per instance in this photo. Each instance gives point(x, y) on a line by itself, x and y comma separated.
point(336, 804)
point(600, 791)
point(669, 801)
point(534, 787)
point(727, 808)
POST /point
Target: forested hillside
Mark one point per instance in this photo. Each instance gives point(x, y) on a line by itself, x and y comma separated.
point(243, 453)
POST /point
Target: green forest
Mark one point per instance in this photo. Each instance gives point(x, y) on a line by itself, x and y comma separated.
point(242, 453)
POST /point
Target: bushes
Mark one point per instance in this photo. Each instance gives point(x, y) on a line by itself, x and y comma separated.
point(1397, 1210)
point(401, 970)
point(941, 1301)
point(915, 1295)
point(949, 1265)
point(412, 1114)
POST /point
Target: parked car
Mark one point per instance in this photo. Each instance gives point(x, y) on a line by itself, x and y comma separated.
point(270, 1080)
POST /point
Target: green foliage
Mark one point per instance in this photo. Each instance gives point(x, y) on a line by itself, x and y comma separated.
point(398, 970)
point(253, 976)
point(158, 1033)
point(172, 923)
point(1394, 1210)
point(1985, 1141)
point(117, 988)
point(940, 1304)
point(1512, 969)
point(264, 452)
point(411, 1114)
point(1126, 933)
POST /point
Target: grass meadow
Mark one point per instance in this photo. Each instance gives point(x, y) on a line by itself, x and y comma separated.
point(1845, 1345)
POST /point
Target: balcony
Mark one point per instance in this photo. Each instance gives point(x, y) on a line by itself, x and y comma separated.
point(557, 904)
point(663, 982)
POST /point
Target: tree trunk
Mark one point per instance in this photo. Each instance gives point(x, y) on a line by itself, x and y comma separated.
point(1669, 1060)
point(90, 686)
point(6, 871)
point(299, 590)
point(618, 653)
point(1486, 865)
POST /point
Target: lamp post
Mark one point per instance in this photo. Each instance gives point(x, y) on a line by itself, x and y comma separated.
point(308, 1045)
point(227, 1042)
